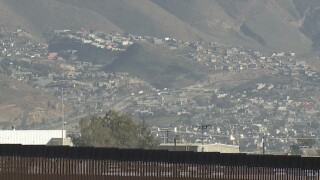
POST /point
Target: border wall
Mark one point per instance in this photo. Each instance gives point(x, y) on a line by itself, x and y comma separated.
point(19, 162)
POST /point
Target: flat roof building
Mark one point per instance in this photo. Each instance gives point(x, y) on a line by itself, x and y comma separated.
point(34, 137)
point(198, 147)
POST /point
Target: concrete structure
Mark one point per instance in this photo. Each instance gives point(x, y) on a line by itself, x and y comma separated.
point(58, 142)
point(34, 137)
point(197, 147)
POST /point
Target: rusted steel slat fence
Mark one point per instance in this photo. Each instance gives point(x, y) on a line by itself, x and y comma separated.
point(86, 163)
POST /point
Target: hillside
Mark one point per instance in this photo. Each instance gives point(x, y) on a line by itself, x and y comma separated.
point(311, 26)
point(286, 25)
point(22, 106)
point(84, 51)
point(159, 65)
point(209, 17)
point(46, 15)
point(141, 17)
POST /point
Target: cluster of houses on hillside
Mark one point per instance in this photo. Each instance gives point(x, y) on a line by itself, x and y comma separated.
point(281, 106)
point(15, 43)
point(280, 111)
point(113, 42)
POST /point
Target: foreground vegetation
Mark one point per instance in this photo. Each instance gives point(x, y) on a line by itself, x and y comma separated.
point(116, 129)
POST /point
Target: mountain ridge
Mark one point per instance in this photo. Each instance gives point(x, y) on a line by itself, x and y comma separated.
point(266, 24)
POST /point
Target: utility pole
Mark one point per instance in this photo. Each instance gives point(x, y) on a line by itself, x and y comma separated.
point(264, 145)
point(187, 146)
point(203, 127)
point(264, 141)
point(167, 134)
point(62, 116)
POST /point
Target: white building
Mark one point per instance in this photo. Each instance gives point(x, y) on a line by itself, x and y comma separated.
point(34, 137)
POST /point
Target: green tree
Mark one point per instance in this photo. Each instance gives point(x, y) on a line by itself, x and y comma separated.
point(295, 149)
point(116, 129)
point(145, 140)
point(178, 138)
point(94, 132)
point(123, 129)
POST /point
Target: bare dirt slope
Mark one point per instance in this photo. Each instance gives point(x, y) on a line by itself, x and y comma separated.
point(22, 105)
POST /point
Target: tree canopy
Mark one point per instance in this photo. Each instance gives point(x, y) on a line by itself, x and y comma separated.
point(116, 129)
